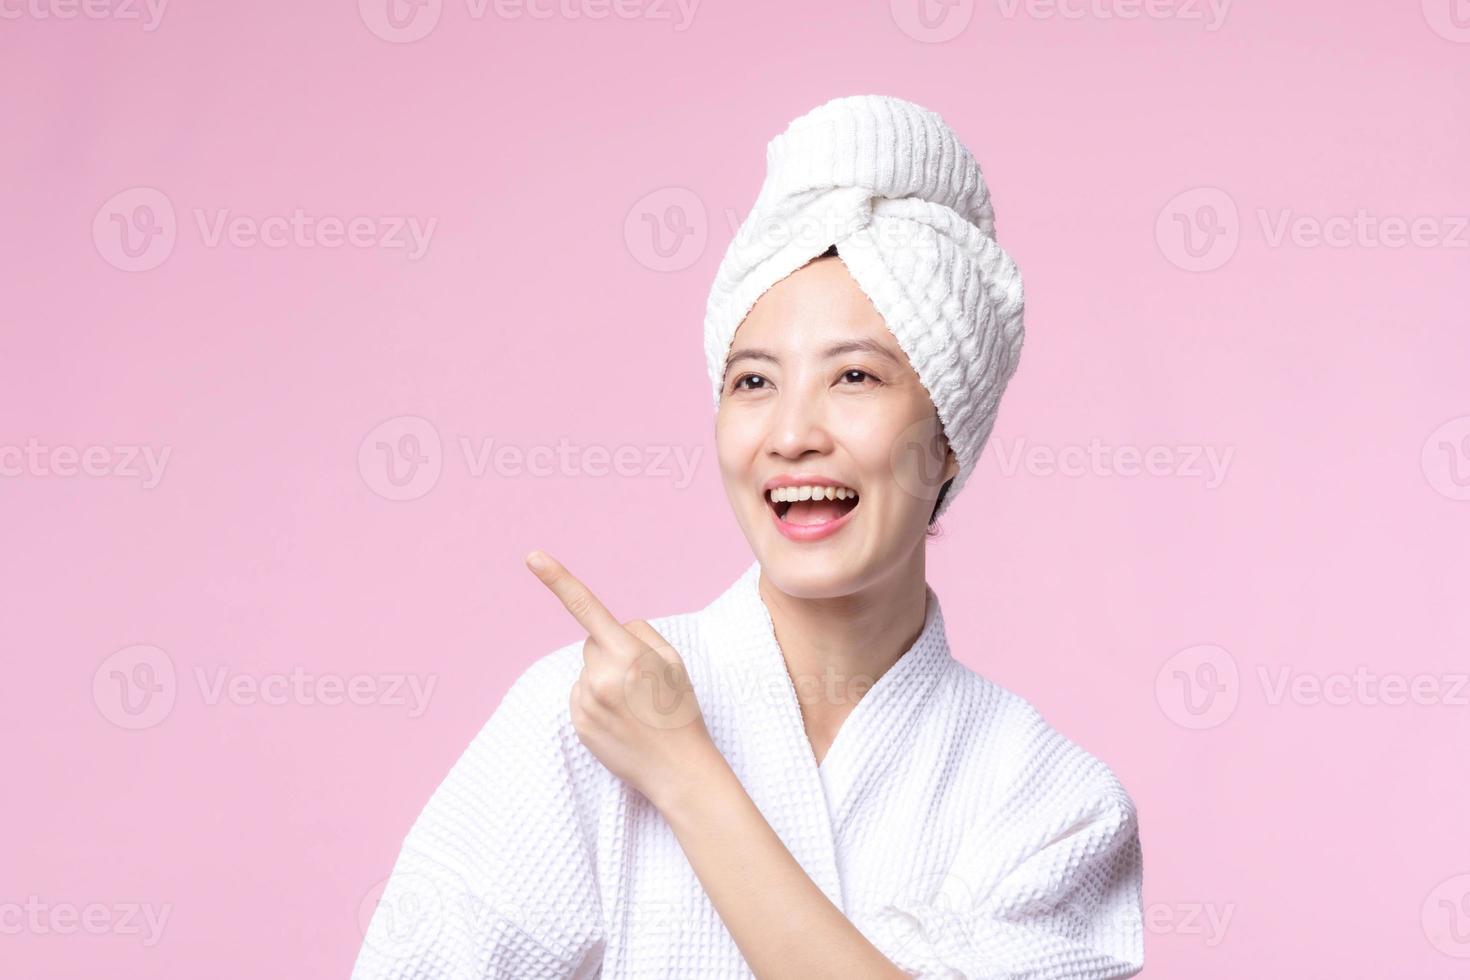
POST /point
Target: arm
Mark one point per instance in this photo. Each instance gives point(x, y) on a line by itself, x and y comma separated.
point(495, 879)
point(1053, 896)
point(634, 709)
point(1067, 909)
point(783, 923)
point(1050, 892)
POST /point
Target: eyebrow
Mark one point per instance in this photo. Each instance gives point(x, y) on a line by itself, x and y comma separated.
point(836, 350)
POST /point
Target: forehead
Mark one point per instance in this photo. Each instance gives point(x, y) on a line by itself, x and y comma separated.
point(814, 307)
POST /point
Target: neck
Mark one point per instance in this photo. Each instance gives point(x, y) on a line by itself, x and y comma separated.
point(836, 648)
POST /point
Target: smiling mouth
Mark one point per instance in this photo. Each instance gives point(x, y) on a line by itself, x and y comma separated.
point(811, 506)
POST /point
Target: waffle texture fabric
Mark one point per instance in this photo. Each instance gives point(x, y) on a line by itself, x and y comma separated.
point(958, 831)
point(891, 185)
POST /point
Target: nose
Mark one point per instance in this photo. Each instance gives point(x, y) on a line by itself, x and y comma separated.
point(799, 425)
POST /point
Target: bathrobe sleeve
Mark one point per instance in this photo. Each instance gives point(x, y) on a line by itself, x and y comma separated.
point(1047, 886)
point(496, 877)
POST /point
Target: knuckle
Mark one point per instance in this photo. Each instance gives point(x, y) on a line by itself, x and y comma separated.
point(606, 685)
point(579, 602)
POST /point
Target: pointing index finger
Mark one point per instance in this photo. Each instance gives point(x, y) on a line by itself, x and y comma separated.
point(585, 607)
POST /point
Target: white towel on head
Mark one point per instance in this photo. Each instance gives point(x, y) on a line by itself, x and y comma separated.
point(891, 185)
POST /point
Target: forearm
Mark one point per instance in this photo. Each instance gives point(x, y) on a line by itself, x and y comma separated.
point(783, 923)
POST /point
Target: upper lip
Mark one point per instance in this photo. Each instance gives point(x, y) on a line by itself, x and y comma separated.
point(794, 480)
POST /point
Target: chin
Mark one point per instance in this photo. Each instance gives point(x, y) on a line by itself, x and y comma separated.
point(838, 566)
point(820, 570)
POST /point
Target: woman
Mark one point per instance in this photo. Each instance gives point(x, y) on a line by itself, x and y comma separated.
point(798, 780)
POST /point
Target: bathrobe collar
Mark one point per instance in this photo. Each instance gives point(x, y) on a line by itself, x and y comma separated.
point(752, 712)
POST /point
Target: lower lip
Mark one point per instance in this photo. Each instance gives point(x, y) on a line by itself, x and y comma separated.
point(811, 532)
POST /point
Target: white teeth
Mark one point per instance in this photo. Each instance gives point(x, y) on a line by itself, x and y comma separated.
point(793, 494)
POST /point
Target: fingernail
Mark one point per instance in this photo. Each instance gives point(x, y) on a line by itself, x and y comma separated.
point(536, 561)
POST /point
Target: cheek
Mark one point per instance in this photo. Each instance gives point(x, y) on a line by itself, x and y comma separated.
point(867, 442)
point(908, 462)
point(736, 445)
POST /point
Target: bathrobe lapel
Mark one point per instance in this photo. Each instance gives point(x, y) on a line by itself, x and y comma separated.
point(874, 743)
point(753, 715)
point(750, 709)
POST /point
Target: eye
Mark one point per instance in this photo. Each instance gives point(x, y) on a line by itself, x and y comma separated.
point(740, 382)
point(861, 375)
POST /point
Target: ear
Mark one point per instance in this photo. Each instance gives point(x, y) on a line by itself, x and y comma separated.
point(951, 464)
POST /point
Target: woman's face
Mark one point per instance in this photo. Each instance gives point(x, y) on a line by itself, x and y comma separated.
point(817, 391)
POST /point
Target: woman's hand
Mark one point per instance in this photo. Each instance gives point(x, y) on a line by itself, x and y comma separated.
point(633, 707)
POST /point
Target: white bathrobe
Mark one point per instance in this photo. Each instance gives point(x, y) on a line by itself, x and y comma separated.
point(957, 830)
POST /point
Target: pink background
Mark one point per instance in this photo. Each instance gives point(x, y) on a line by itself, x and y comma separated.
point(1283, 836)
